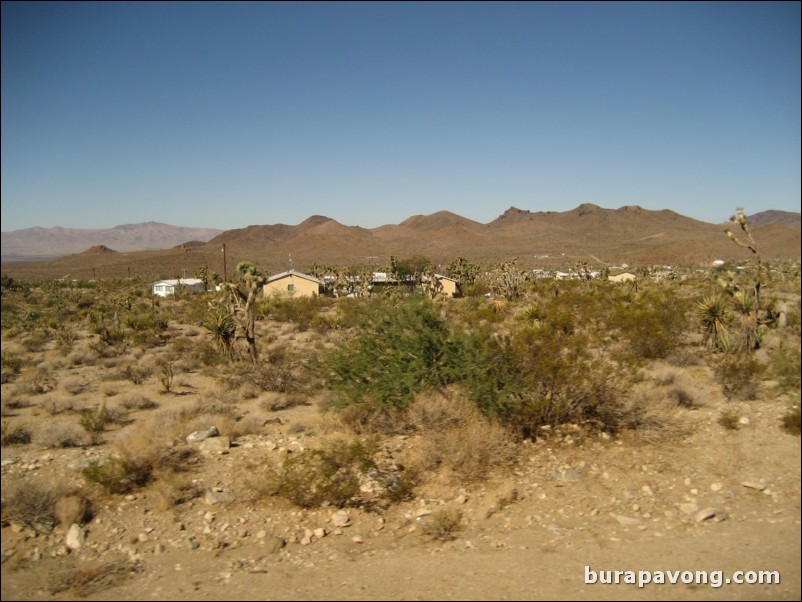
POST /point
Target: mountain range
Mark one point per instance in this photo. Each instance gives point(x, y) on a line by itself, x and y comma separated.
point(36, 243)
point(545, 239)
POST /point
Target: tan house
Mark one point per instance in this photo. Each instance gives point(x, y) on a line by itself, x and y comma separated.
point(292, 284)
point(622, 277)
point(443, 285)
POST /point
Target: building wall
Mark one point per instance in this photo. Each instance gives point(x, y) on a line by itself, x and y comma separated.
point(625, 277)
point(301, 287)
point(449, 287)
point(164, 289)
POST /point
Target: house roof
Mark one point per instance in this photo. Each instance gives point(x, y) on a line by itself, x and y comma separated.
point(291, 273)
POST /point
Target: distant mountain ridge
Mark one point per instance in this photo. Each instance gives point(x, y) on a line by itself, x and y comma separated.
point(57, 241)
point(542, 239)
point(781, 218)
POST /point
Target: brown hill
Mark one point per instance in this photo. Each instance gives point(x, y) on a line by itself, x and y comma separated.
point(549, 240)
point(781, 218)
point(98, 249)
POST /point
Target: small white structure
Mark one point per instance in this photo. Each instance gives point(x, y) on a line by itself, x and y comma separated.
point(164, 288)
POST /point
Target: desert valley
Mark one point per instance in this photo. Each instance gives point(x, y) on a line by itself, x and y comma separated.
point(522, 440)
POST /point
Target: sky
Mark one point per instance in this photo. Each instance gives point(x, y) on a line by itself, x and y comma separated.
point(223, 115)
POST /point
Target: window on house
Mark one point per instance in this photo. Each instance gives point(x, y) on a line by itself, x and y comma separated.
point(290, 288)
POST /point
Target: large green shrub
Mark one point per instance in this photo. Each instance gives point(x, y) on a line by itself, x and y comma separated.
point(400, 348)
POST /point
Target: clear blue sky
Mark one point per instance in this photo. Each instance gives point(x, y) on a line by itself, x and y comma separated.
point(225, 115)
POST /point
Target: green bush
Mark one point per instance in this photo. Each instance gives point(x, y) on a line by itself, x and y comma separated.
point(652, 324)
point(400, 349)
point(304, 312)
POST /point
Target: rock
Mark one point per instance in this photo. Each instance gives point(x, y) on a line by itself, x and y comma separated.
point(215, 445)
point(753, 485)
point(716, 486)
point(74, 538)
point(358, 539)
point(320, 532)
point(705, 514)
point(570, 474)
point(688, 508)
point(274, 544)
point(628, 521)
point(202, 435)
point(340, 519)
point(218, 497)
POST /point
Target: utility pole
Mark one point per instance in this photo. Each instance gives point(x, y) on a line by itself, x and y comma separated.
point(225, 273)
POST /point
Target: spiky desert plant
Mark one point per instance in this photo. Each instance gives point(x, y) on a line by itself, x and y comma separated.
point(222, 329)
point(712, 315)
point(747, 241)
point(242, 302)
point(744, 305)
point(507, 280)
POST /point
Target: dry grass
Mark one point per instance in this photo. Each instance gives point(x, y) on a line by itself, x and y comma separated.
point(14, 434)
point(144, 454)
point(440, 524)
point(30, 502)
point(83, 581)
point(455, 437)
point(653, 415)
point(60, 434)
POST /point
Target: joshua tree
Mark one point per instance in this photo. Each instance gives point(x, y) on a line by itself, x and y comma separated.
point(746, 241)
point(242, 297)
point(507, 279)
point(462, 271)
point(203, 275)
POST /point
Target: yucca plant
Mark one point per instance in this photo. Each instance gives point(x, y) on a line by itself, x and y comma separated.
point(712, 315)
point(220, 324)
point(744, 305)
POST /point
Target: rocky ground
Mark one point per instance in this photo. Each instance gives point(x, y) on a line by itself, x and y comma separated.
point(714, 496)
point(716, 499)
